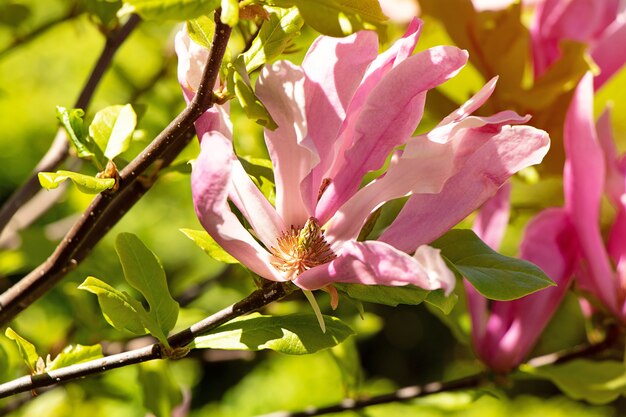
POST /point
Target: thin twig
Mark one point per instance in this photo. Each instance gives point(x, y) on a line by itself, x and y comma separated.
point(109, 207)
point(272, 292)
point(403, 394)
point(58, 151)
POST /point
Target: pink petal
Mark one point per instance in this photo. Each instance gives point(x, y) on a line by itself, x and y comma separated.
point(486, 160)
point(514, 326)
point(605, 53)
point(493, 217)
point(614, 186)
point(584, 184)
point(376, 263)
point(388, 118)
point(281, 88)
point(210, 185)
point(261, 215)
point(385, 62)
point(334, 68)
point(191, 61)
point(425, 171)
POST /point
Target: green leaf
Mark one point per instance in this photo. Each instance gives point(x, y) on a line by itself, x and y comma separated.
point(296, 334)
point(85, 183)
point(178, 10)
point(209, 245)
point(27, 350)
point(230, 12)
point(201, 30)
point(239, 85)
point(117, 307)
point(144, 272)
point(74, 354)
point(342, 17)
point(261, 172)
point(275, 35)
point(382, 294)
point(582, 379)
point(72, 121)
point(439, 300)
point(104, 12)
point(12, 14)
point(161, 393)
point(112, 129)
point(495, 276)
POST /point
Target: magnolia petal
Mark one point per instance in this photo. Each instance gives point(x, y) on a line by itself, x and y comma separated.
point(493, 217)
point(390, 115)
point(385, 62)
point(281, 88)
point(426, 172)
point(473, 104)
point(614, 185)
point(191, 61)
point(609, 58)
point(514, 326)
point(334, 68)
point(488, 159)
point(261, 215)
point(210, 185)
point(583, 183)
point(376, 263)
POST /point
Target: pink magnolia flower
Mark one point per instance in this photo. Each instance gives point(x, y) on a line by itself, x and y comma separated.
point(340, 115)
point(565, 242)
point(600, 24)
point(400, 11)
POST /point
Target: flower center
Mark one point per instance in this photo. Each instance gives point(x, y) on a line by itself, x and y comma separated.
point(299, 249)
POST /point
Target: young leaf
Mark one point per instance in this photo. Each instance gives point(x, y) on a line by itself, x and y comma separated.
point(239, 84)
point(116, 306)
point(201, 30)
point(274, 36)
point(582, 379)
point(144, 272)
point(85, 183)
point(230, 12)
point(382, 294)
point(27, 350)
point(178, 10)
point(72, 121)
point(209, 246)
point(495, 276)
point(112, 129)
point(342, 17)
point(261, 172)
point(296, 334)
point(74, 354)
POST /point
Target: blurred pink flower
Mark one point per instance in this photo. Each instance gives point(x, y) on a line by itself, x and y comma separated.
point(400, 11)
point(565, 242)
point(600, 24)
point(340, 115)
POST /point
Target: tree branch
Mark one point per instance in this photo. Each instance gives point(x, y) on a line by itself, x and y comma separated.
point(59, 149)
point(403, 394)
point(272, 292)
point(107, 208)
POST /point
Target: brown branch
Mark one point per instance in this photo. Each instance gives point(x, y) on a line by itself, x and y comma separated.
point(58, 151)
point(272, 292)
point(403, 394)
point(107, 208)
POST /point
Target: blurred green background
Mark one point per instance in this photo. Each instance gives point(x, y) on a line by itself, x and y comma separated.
point(394, 347)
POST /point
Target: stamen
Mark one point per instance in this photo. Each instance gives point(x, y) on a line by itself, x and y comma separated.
point(299, 249)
